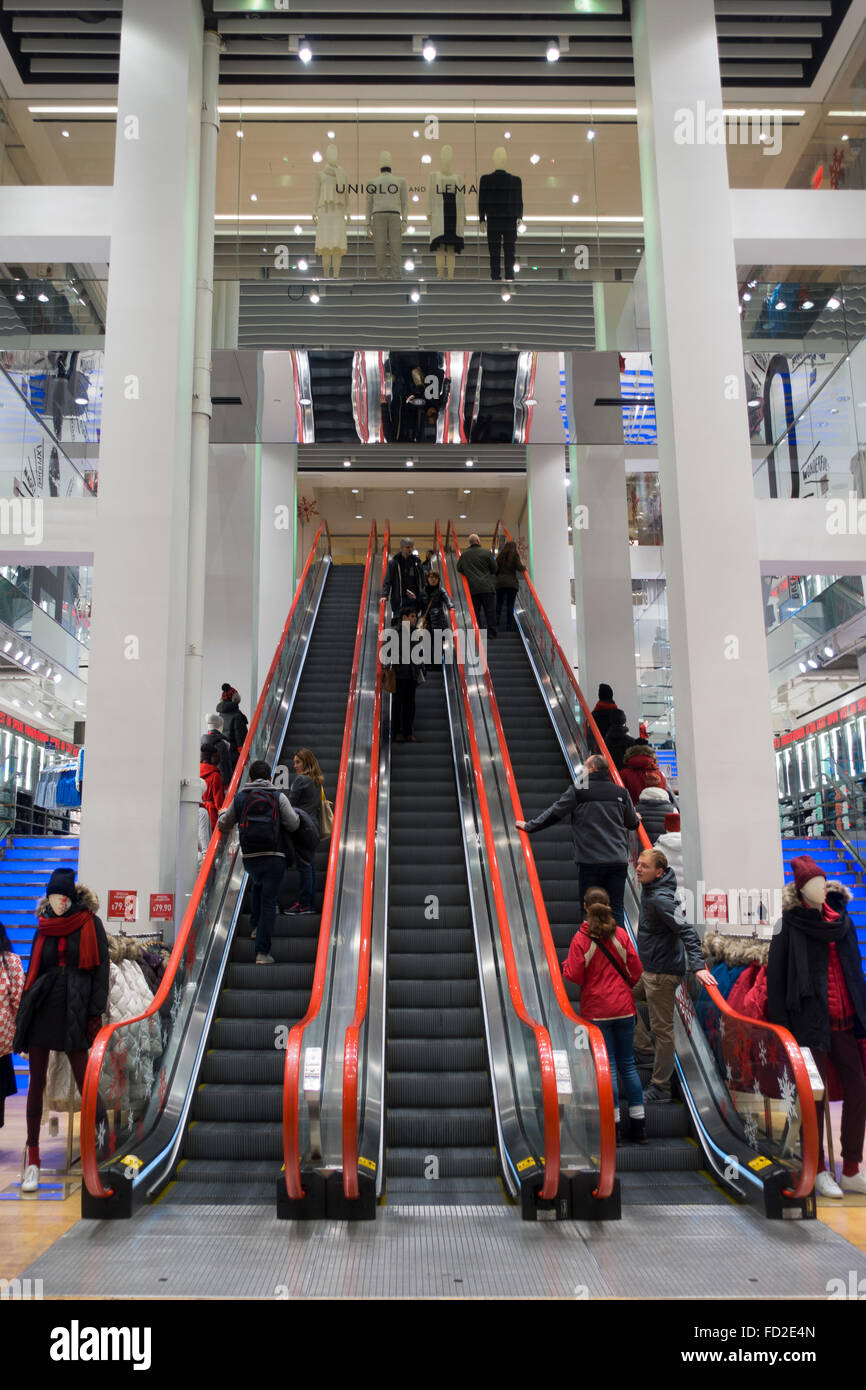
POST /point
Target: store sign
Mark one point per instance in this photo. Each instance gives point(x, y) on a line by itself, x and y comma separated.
point(816, 726)
point(161, 907)
point(715, 907)
point(122, 905)
point(49, 741)
point(667, 761)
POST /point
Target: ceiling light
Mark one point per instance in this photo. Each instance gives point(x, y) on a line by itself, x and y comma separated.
point(426, 159)
point(505, 296)
point(410, 231)
point(535, 159)
point(410, 463)
point(521, 227)
point(575, 197)
point(415, 296)
point(462, 516)
point(803, 666)
point(410, 516)
point(314, 296)
point(808, 304)
point(347, 463)
point(239, 134)
point(780, 304)
point(507, 134)
point(552, 53)
point(332, 135)
point(410, 492)
point(297, 229)
point(254, 197)
point(753, 284)
point(753, 402)
point(828, 651)
point(25, 661)
point(358, 516)
point(305, 53)
point(317, 156)
point(20, 296)
point(65, 134)
point(746, 296)
point(466, 491)
point(7, 646)
point(590, 134)
point(355, 490)
point(416, 134)
point(303, 265)
point(813, 663)
point(18, 655)
point(470, 463)
point(48, 672)
point(409, 264)
point(415, 198)
point(428, 51)
point(43, 298)
point(833, 302)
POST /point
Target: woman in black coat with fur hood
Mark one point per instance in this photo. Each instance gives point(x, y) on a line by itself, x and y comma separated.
point(815, 988)
point(65, 995)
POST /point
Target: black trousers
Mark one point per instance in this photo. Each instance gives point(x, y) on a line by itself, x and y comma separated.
point(502, 231)
point(505, 599)
point(485, 610)
point(403, 707)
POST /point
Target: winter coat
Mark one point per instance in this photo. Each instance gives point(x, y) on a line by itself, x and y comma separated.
point(408, 670)
point(666, 945)
point(403, 575)
point(129, 996)
point(749, 993)
point(212, 799)
point(55, 1011)
point(654, 803)
point(640, 770)
point(601, 815)
point(217, 743)
point(11, 986)
point(508, 576)
point(601, 714)
point(603, 991)
point(618, 742)
point(436, 605)
point(479, 567)
point(235, 726)
point(804, 1009)
point(306, 795)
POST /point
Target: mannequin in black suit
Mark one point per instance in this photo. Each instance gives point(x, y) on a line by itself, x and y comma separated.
point(500, 205)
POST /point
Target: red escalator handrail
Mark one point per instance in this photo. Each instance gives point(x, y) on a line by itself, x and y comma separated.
point(90, 1093)
point(291, 1072)
point(328, 536)
point(353, 1032)
point(544, 1047)
point(809, 1130)
point(607, 1158)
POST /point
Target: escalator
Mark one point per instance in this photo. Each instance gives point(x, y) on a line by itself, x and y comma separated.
point(489, 410)
point(671, 1168)
point(233, 1149)
point(331, 392)
point(440, 1126)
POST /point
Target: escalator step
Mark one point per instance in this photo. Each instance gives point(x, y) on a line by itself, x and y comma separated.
point(662, 1155)
point(451, 1127)
point(430, 940)
point(250, 1034)
point(435, 1054)
point(234, 1139)
point(264, 1002)
point(442, 966)
point(405, 1162)
point(433, 994)
point(410, 1088)
point(250, 1068)
point(238, 1102)
point(443, 1023)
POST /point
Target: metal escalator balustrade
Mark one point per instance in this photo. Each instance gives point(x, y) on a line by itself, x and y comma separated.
point(138, 1087)
point(744, 1083)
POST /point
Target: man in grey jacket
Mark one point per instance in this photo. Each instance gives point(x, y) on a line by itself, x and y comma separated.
point(479, 567)
point(263, 826)
point(668, 947)
point(601, 815)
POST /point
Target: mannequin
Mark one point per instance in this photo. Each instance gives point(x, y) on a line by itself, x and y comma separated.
point(814, 891)
point(387, 217)
point(447, 213)
point(500, 205)
point(65, 996)
point(330, 212)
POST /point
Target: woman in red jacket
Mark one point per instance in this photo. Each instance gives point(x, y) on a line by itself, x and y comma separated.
point(602, 960)
point(212, 799)
point(640, 770)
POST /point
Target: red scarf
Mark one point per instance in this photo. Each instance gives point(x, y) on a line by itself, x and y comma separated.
point(88, 950)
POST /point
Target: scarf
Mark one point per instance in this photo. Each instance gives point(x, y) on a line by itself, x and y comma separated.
point(88, 951)
point(808, 924)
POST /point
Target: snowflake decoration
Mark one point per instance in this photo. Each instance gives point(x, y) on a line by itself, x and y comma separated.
point(148, 1082)
point(131, 1122)
point(762, 1053)
point(788, 1093)
point(729, 1073)
point(837, 171)
point(307, 508)
point(687, 1008)
point(756, 1086)
point(134, 1050)
point(750, 1125)
point(100, 1135)
point(175, 1005)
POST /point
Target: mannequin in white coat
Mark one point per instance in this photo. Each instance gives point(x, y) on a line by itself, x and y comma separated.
point(446, 210)
point(330, 212)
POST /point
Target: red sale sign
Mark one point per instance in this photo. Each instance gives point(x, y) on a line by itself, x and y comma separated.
point(715, 907)
point(122, 905)
point(161, 907)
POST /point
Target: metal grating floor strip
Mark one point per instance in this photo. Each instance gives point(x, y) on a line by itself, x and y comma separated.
point(446, 1251)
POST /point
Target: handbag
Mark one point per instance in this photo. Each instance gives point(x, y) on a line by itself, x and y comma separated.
point(389, 681)
point(326, 816)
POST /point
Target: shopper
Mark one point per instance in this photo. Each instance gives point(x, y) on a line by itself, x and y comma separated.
point(214, 794)
point(263, 815)
point(671, 846)
point(64, 996)
point(509, 567)
point(407, 675)
point(429, 563)
point(306, 794)
point(601, 815)
point(437, 606)
point(205, 829)
point(404, 580)
point(479, 568)
point(602, 711)
point(640, 770)
point(234, 722)
point(11, 986)
point(815, 988)
point(602, 960)
point(618, 739)
point(655, 805)
point(215, 740)
point(668, 948)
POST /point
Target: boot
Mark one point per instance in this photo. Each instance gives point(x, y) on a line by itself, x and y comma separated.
point(638, 1130)
point(619, 1138)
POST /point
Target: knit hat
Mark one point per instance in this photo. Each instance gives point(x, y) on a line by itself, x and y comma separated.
point(61, 881)
point(804, 868)
point(641, 728)
point(618, 719)
point(215, 721)
point(605, 692)
point(672, 823)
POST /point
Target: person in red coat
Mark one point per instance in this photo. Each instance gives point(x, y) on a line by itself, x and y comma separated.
point(640, 770)
point(213, 797)
point(602, 960)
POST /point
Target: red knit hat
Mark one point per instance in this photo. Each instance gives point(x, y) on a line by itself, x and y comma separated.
point(641, 731)
point(804, 868)
point(672, 823)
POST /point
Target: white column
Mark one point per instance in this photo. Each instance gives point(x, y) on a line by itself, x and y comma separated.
point(549, 551)
point(602, 576)
point(719, 659)
point(132, 783)
point(277, 559)
point(231, 570)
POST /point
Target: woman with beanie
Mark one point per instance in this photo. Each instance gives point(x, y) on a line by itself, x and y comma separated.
point(65, 995)
point(602, 960)
point(815, 988)
point(603, 710)
point(11, 985)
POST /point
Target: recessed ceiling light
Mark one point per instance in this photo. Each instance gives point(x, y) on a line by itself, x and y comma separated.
point(410, 516)
point(332, 135)
point(409, 264)
point(426, 159)
point(466, 491)
point(846, 137)
point(302, 264)
point(416, 134)
point(254, 197)
point(356, 490)
point(65, 134)
point(347, 463)
point(590, 134)
point(833, 302)
point(828, 651)
point(470, 463)
point(317, 156)
point(462, 516)
point(410, 491)
point(802, 666)
point(239, 134)
point(18, 655)
point(575, 197)
point(410, 463)
point(429, 51)
point(415, 198)
point(553, 53)
point(813, 663)
point(535, 159)
point(507, 134)
point(807, 304)
point(305, 53)
point(358, 516)
point(410, 231)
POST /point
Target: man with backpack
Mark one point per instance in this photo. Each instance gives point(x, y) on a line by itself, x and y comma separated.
point(265, 819)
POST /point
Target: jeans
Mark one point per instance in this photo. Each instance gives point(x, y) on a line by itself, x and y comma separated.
point(658, 991)
point(611, 877)
point(485, 610)
point(266, 875)
point(505, 599)
point(619, 1041)
point(306, 884)
point(845, 1055)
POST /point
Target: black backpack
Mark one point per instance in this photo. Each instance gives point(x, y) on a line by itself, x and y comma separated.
point(257, 810)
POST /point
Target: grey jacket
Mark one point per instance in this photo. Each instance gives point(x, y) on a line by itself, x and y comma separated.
point(666, 946)
point(288, 815)
point(479, 567)
point(387, 192)
point(601, 816)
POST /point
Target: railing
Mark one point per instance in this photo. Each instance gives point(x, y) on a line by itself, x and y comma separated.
point(136, 1065)
point(744, 1049)
point(353, 1032)
point(293, 1076)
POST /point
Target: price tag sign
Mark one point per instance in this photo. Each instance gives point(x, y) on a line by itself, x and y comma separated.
point(161, 907)
point(122, 905)
point(563, 1074)
point(312, 1068)
point(715, 907)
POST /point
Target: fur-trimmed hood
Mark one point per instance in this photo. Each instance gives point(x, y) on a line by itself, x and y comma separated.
point(641, 750)
point(654, 794)
point(734, 950)
point(86, 897)
point(791, 898)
